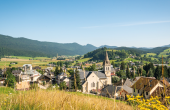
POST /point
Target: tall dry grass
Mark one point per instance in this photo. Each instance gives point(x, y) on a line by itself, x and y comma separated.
point(59, 100)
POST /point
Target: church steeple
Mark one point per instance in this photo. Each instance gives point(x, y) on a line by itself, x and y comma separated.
point(106, 60)
point(107, 68)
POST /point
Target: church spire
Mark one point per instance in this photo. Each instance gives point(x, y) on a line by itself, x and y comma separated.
point(106, 60)
point(106, 57)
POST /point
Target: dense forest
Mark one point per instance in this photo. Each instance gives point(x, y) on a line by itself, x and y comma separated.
point(27, 47)
point(99, 54)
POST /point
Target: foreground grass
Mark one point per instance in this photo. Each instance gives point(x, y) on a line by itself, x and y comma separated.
point(58, 100)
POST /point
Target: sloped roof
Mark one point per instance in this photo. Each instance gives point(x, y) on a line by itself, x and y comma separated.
point(145, 83)
point(31, 72)
point(16, 71)
point(127, 89)
point(119, 83)
point(63, 73)
point(128, 82)
point(110, 89)
point(100, 74)
point(164, 81)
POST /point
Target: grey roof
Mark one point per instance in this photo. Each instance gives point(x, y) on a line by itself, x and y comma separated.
point(42, 76)
point(100, 74)
point(16, 71)
point(62, 73)
point(127, 89)
point(128, 82)
point(110, 89)
point(112, 69)
point(31, 72)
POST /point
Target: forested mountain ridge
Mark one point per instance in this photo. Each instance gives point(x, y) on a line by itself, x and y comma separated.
point(124, 52)
point(27, 47)
point(33, 48)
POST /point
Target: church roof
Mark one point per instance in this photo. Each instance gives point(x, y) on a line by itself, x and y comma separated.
point(100, 74)
point(106, 60)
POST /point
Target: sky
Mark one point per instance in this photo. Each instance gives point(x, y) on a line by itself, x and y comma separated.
point(139, 23)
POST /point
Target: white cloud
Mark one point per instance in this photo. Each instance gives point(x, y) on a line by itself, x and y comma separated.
point(131, 24)
point(142, 23)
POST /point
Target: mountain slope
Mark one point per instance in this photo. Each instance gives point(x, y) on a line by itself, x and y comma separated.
point(42, 48)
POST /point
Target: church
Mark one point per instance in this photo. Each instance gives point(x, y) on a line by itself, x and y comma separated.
point(96, 80)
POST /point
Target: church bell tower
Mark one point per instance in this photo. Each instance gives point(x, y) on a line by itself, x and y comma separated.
point(107, 68)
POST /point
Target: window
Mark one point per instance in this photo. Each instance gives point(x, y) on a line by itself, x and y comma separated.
point(138, 91)
point(108, 68)
point(134, 90)
point(93, 84)
point(146, 93)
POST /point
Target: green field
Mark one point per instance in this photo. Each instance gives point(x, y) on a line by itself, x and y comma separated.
point(84, 59)
point(23, 57)
point(111, 50)
point(167, 51)
point(148, 54)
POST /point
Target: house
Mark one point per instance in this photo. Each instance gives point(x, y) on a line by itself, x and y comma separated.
point(25, 77)
point(60, 77)
point(117, 57)
point(33, 74)
point(17, 73)
point(132, 63)
point(36, 68)
point(95, 79)
point(111, 91)
point(145, 86)
point(47, 79)
point(113, 72)
point(121, 88)
point(29, 74)
point(27, 67)
point(2, 82)
point(49, 73)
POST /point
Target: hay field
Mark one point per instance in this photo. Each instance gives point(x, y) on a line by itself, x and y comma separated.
point(59, 100)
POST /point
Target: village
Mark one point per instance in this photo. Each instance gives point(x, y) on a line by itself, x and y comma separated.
point(102, 82)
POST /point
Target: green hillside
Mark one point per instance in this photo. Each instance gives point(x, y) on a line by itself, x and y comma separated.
point(165, 53)
point(27, 47)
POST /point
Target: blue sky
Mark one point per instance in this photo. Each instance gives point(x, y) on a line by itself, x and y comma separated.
point(140, 23)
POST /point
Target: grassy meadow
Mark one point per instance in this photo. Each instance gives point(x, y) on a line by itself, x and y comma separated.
point(167, 51)
point(59, 100)
point(148, 54)
point(21, 60)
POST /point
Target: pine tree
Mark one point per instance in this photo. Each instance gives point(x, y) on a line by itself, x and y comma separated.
point(151, 73)
point(56, 72)
point(158, 72)
point(77, 83)
point(128, 72)
point(165, 71)
point(113, 64)
point(122, 67)
point(61, 70)
point(81, 66)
